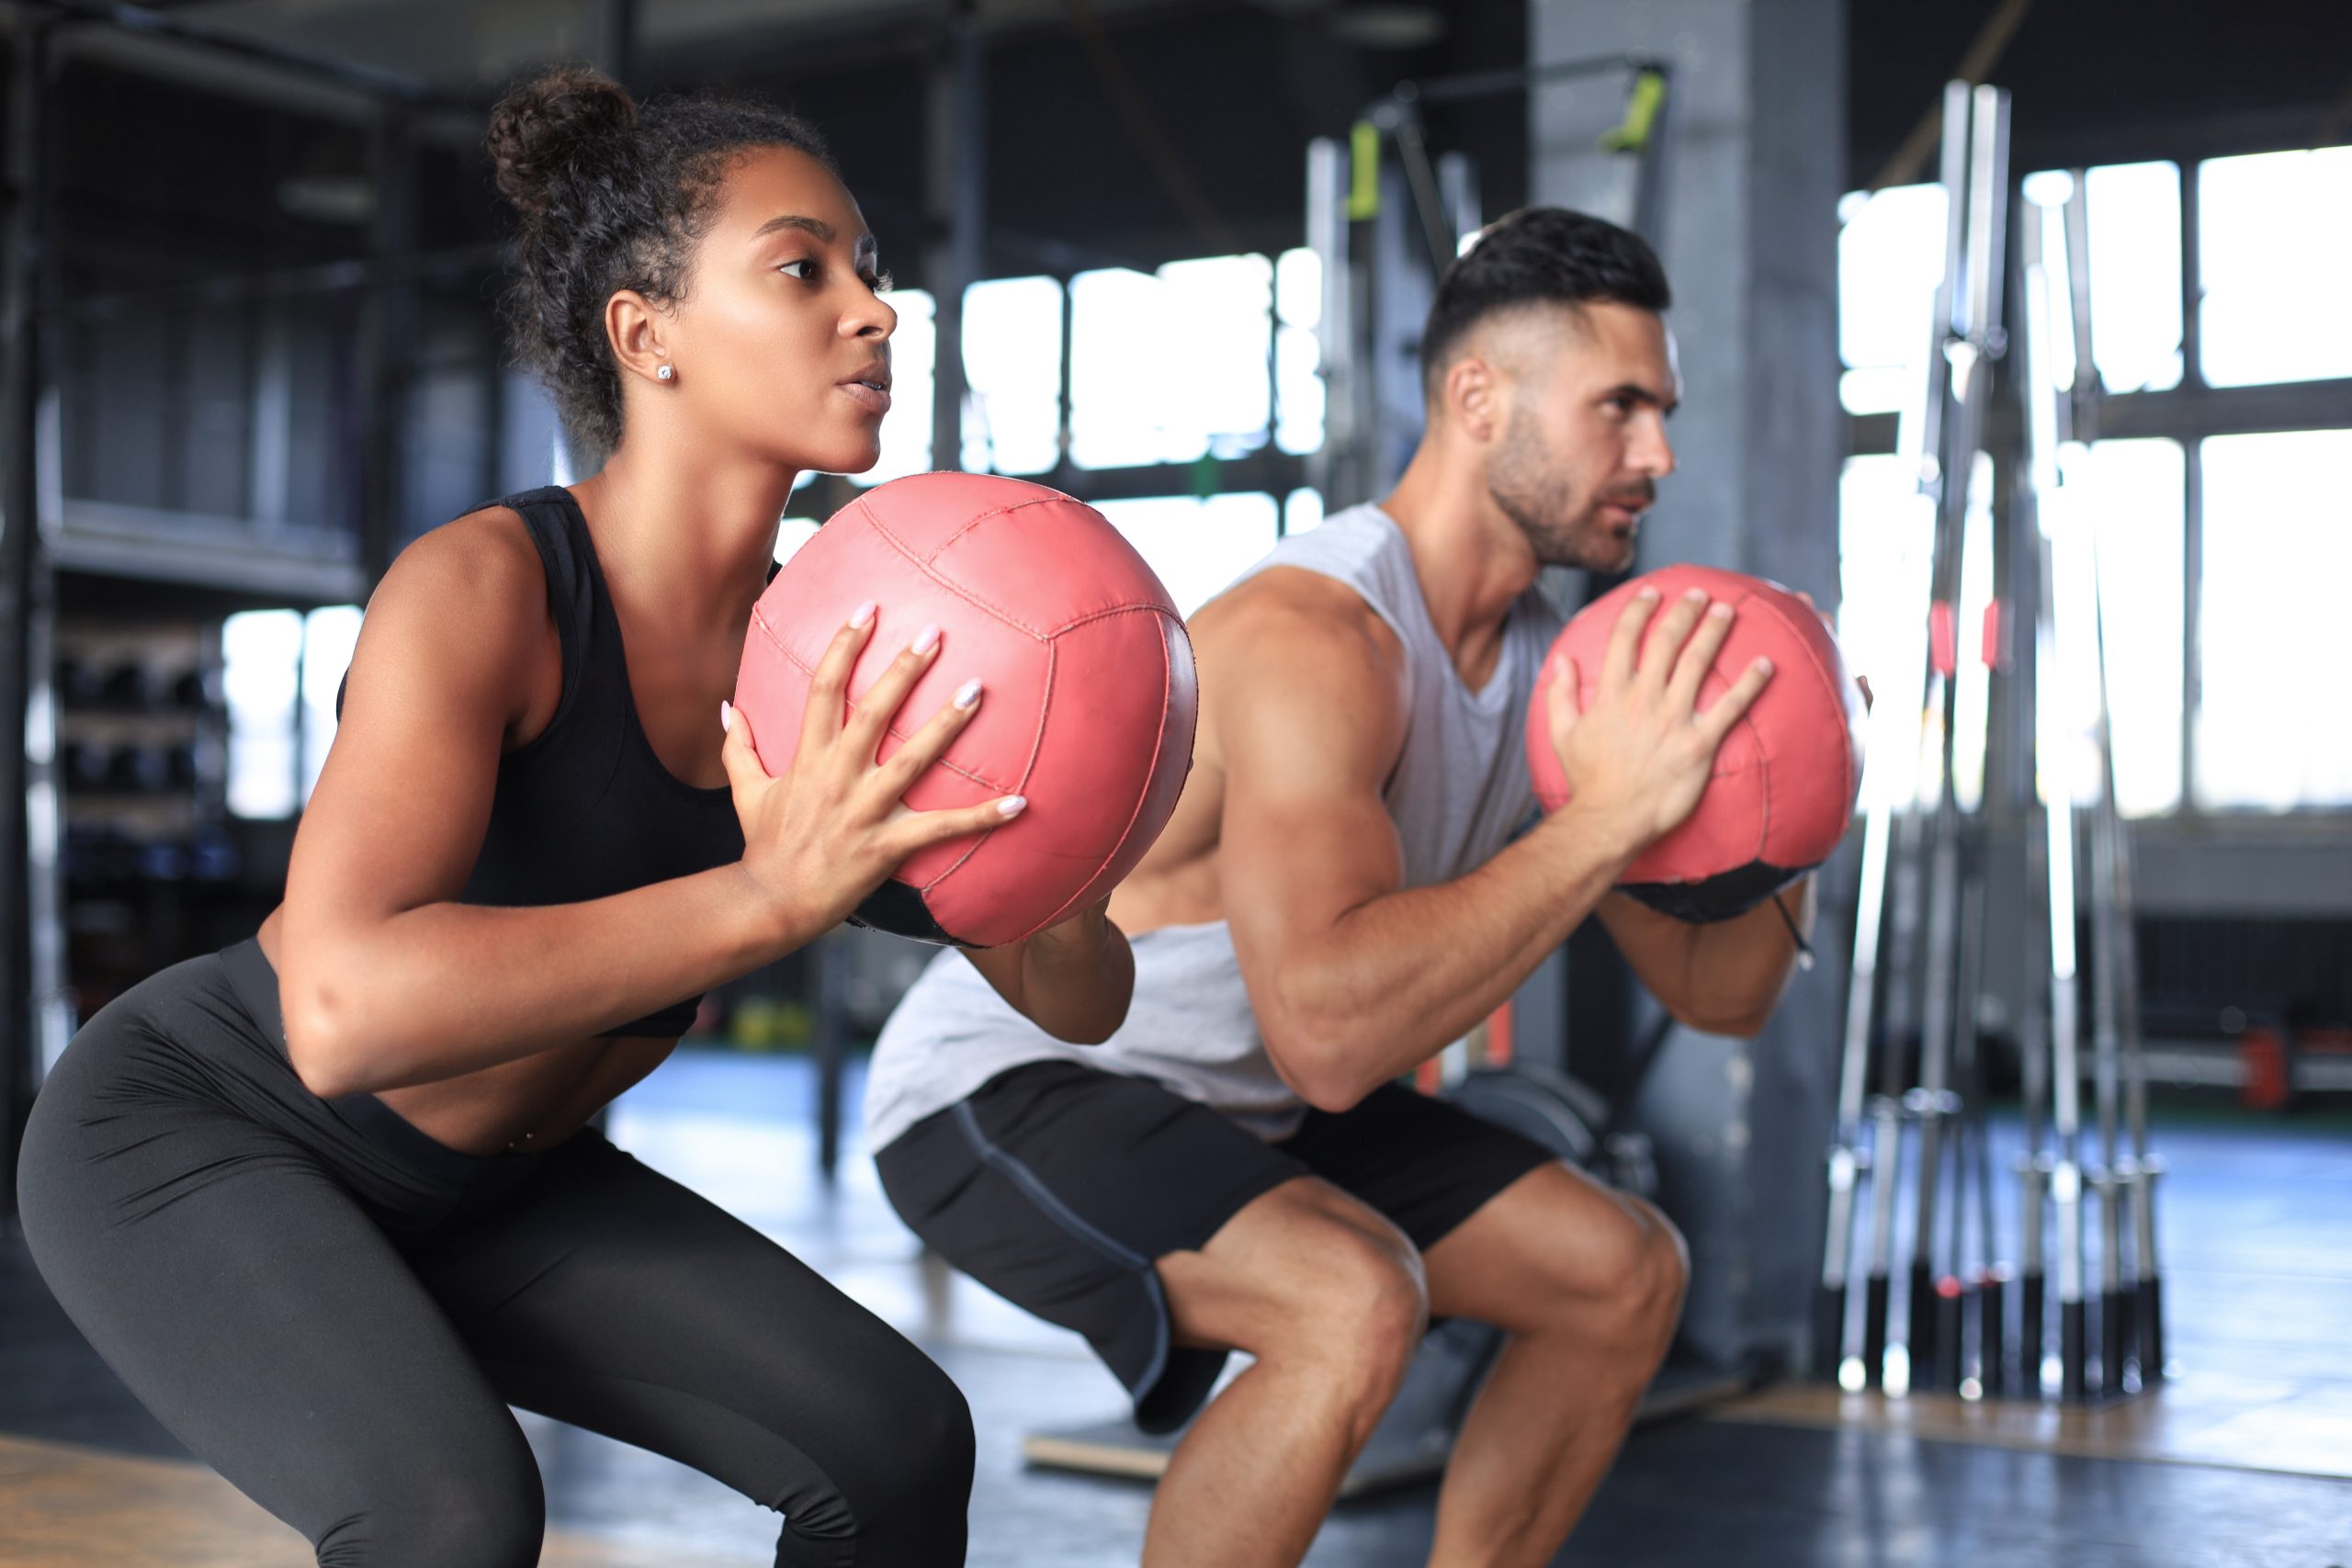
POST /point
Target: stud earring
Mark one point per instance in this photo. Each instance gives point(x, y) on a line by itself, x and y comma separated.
point(666, 373)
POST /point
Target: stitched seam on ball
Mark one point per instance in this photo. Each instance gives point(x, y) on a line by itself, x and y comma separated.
point(1813, 659)
point(1763, 783)
point(890, 729)
point(1168, 689)
point(923, 563)
point(1103, 615)
point(1763, 760)
point(950, 585)
point(971, 523)
point(1028, 767)
point(1036, 744)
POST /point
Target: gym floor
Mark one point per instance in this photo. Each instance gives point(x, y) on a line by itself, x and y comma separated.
point(2244, 1461)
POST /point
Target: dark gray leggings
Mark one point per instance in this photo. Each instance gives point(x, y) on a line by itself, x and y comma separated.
point(335, 1312)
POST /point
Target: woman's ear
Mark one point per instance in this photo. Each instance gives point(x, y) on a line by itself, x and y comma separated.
point(634, 327)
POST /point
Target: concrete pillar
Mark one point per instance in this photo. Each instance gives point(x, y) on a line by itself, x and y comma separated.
point(1753, 164)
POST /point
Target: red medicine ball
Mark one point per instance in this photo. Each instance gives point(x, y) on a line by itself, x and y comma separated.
point(1786, 777)
point(1090, 691)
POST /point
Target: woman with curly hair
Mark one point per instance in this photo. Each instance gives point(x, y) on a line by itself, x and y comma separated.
point(327, 1200)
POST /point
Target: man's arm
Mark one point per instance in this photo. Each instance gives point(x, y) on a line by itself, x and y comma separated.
point(1354, 979)
point(1073, 980)
point(1724, 979)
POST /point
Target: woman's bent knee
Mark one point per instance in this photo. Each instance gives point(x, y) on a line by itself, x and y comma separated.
point(939, 1444)
point(894, 1493)
point(479, 1524)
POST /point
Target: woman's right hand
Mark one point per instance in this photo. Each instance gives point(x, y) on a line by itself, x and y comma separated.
point(828, 831)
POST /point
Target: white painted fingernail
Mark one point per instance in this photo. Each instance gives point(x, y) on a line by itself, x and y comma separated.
point(1696, 595)
point(1765, 665)
point(726, 718)
point(1720, 611)
point(1013, 805)
point(968, 693)
point(861, 615)
point(925, 639)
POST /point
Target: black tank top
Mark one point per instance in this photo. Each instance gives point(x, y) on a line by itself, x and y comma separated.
point(586, 809)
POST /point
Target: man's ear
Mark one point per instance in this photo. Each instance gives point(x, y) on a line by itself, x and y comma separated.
point(1475, 397)
point(634, 327)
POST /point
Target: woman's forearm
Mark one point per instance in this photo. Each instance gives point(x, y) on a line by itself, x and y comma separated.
point(450, 989)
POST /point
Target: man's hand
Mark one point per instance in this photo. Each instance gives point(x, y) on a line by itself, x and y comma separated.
point(1638, 760)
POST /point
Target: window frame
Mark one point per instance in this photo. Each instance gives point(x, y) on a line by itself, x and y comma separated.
point(2187, 413)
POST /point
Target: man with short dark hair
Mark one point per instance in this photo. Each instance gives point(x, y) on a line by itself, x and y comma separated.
point(1345, 889)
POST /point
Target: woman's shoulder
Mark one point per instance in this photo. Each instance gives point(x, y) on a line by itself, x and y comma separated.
point(488, 554)
point(464, 609)
point(482, 572)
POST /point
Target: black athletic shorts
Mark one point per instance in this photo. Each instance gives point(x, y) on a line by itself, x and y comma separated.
point(1057, 1185)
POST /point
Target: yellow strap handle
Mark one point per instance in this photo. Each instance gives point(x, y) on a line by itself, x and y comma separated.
point(1640, 115)
point(1363, 170)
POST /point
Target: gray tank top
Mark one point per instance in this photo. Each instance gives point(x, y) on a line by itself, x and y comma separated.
point(1458, 794)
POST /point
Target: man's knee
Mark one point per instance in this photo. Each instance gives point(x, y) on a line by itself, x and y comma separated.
point(1354, 1299)
point(1619, 1273)
point(1307, 1278)
point(1647, 1300)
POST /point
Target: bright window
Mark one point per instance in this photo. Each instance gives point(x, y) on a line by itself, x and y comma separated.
point(1890, 253)
point(2274, 231)
point(261, 652)
point(1885, 529)
point(1171, 366)
point(2133, 494)
point(328, 637)
point(273, 662)
point(2134, 212)
point(1298, 352)
point(1197, 545)
point(1116, 416)
point(1303, 512)
point(2277, 549)
point(1013, 362)
point(791, 534)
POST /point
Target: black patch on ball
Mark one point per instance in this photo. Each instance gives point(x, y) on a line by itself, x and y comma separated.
point(898, 909)
point(1726, 896)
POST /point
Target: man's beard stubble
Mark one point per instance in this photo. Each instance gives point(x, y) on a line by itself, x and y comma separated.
point(1538, 492)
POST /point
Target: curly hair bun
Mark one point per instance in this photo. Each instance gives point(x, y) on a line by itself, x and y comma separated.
point(547, 126)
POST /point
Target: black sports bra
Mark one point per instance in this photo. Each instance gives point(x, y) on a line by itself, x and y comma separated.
point(586, 809)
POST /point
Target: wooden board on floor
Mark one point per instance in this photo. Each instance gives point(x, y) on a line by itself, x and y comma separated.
point(1406, 1455)
point(62, 1507)
point(2290, 1426)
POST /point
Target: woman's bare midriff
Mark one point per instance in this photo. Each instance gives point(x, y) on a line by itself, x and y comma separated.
point(534, 1103)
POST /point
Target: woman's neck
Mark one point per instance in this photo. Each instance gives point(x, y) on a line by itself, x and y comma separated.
point(695, 536)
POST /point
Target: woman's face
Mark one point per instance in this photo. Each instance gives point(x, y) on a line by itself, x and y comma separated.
point(781, 342)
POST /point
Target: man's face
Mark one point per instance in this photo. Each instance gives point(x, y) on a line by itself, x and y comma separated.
point(1584, 443)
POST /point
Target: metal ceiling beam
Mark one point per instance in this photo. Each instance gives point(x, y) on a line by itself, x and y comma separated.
point(147, 21)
